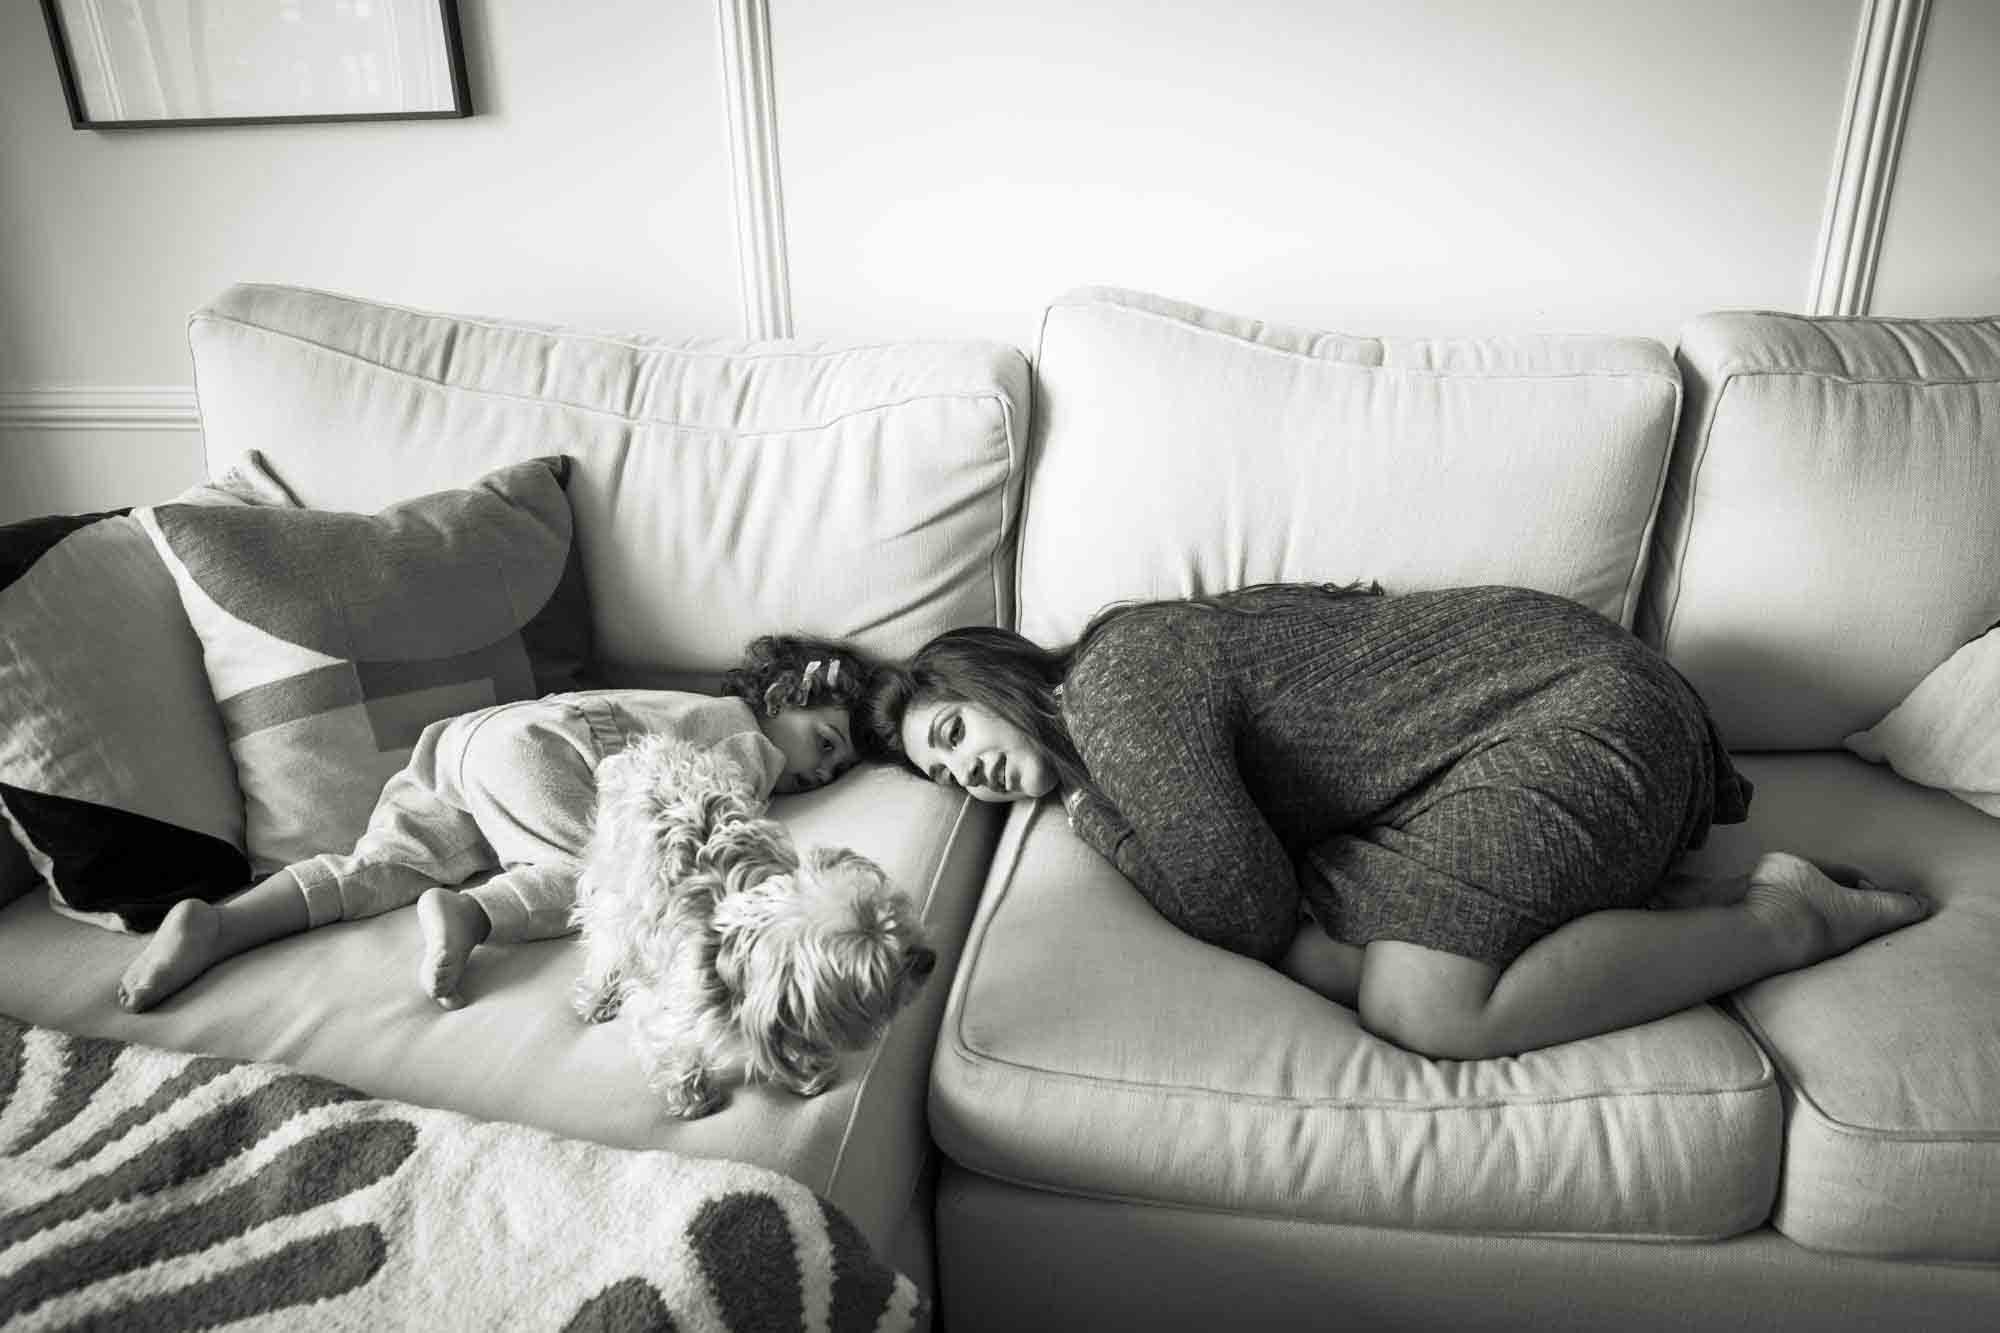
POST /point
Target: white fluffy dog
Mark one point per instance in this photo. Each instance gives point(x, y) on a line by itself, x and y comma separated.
point(727, 951)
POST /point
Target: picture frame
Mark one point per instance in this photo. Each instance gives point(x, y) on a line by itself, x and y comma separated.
point(158, 64)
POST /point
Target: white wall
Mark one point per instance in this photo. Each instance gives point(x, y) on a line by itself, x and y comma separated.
point(591, 187)
point(1941, 247)
point(1547, 164)
point(947, 167)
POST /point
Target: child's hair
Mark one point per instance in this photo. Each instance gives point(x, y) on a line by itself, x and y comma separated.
point(781, 671)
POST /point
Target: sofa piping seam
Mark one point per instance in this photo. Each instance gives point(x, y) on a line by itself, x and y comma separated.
point(1418, 371)
point(1904, 381)
point(1263, 1214)
point(1832, 1123)
point(1635, 582)
point(1195, 1092)
point(635, 343)
point(1696, 466)
point(862, 1083)
point(979, 395)
point(1017, 480)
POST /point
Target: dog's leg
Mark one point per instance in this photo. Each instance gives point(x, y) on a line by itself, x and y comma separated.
point(810, 1079)
point(685, 1086)
point(597, 998)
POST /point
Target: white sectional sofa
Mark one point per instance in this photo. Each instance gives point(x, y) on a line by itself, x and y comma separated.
point(1091, 1120)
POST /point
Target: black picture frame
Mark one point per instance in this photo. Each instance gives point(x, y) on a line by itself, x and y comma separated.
point(80, 118)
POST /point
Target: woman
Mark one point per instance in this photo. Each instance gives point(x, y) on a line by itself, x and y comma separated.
point(1444, 809)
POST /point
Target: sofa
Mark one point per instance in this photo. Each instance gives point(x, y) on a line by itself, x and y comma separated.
point(1090, 1119)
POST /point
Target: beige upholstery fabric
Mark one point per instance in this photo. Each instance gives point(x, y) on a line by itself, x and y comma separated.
point(1178, 451)
point(1090, 1047)
point(1011, 1259)
point(343, 1001)
point(721, 489)
point(1831, 522)
point(1891, 1052)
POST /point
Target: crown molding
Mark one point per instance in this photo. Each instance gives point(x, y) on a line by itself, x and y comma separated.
point(1879, 82)
point(100, 407)
point(763, 269)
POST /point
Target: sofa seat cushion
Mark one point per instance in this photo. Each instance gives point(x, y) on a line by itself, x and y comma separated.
point(1891, 1053)
point(343, 1002)
point(1092, 1048)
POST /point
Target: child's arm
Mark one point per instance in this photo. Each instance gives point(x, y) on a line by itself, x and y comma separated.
point(762, 762)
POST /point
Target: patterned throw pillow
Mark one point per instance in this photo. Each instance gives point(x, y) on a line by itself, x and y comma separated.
point(115, 777)
point(332, 639)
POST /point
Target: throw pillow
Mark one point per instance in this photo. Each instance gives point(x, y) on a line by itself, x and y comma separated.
point(332, 639)
point(1946, 732)
point(115, 778)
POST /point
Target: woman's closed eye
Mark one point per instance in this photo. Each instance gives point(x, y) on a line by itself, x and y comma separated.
point(954, 732)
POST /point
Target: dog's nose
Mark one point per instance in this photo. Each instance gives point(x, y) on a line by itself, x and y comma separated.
point(922, 962)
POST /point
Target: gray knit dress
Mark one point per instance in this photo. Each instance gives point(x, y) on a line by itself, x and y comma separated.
point(1465, 770)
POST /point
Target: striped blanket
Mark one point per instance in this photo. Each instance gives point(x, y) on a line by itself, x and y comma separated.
point(142, 1189)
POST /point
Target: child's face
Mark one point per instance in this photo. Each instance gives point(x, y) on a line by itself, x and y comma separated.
point(817, 745)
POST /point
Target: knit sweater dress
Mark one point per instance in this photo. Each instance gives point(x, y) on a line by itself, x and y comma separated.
point(1464, 770)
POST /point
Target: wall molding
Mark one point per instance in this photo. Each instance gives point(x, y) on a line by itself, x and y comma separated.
point(763, 268)
point(1879, 82)
point(100, 407)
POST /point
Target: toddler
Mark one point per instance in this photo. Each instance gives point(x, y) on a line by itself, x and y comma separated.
point(511, 790)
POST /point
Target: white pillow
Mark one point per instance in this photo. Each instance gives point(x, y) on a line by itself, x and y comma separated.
point(1946, 733)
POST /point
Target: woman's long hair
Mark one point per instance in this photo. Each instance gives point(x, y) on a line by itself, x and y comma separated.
point(1018, 679)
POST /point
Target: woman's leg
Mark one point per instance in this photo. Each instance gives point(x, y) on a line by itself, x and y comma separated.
point(196, 935)
point(1322, 963)
point(1613, 969)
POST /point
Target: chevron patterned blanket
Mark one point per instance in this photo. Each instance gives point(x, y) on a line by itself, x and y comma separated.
point(147, 1189)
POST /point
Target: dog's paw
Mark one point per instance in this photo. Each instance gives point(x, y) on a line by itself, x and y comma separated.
point(599, 1003)
point(811, 1084)
point(691, 1096)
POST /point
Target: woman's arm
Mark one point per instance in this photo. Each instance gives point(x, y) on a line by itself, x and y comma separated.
point(1107, 833)
point(1157, 739)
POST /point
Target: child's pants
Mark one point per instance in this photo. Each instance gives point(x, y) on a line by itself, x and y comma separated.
point(510, 789)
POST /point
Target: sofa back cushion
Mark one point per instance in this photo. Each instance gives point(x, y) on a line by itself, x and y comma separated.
point(1831, 527)
point(1181, 451)
point(721, 489)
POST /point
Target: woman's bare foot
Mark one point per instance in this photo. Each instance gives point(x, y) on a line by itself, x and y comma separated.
point(1816, 915)
point(187, 944)
point(1684, 888)
point(453, 925)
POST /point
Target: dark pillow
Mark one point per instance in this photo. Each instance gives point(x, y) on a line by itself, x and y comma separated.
point(115, 776)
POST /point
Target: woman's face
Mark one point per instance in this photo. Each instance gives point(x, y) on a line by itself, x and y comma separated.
point(968, 745)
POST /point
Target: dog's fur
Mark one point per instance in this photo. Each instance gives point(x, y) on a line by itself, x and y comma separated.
point(728, 952)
